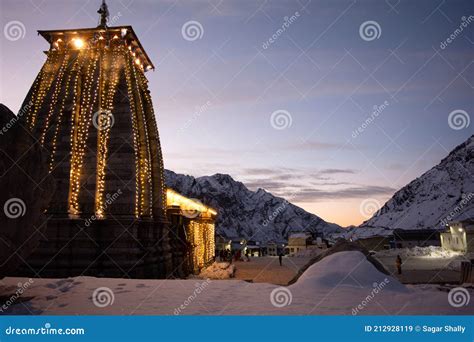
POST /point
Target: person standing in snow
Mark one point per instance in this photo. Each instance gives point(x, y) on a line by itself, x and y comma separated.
point(280, 258)
point(398, 262)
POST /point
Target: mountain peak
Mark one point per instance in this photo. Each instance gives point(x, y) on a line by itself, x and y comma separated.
point(256, 215)
point(443, 193)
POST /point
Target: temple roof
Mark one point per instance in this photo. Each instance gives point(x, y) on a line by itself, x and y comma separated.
point(90, 33)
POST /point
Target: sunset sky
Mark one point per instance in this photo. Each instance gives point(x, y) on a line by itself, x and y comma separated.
point(321, 76)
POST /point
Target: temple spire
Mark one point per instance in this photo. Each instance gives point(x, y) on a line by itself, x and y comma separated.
point(104, 14)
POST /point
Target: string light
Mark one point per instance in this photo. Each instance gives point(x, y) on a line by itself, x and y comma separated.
point(78, 43)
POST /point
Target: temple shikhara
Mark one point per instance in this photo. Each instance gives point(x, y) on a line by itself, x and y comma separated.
point(111, 214)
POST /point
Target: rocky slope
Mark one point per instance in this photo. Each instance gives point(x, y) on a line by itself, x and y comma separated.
point(255, 215)
point(442, 194)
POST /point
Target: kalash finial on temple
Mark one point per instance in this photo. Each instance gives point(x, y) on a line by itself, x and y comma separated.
point(104, 14)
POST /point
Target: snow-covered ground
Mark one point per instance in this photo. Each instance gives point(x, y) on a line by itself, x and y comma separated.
point(424, 258)
point(218, 270)
point(344, 283)
point(430, 252)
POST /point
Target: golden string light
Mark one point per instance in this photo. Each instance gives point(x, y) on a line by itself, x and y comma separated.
point(138, 188)
point(81, 130)
point(58, 85)
point(75, 70)
point(46, 78)
point(106, 104)
point(146, 174)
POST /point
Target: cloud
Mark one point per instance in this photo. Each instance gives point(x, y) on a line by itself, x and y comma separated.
point(337, 171)
point(319, 145)
point(310, 195)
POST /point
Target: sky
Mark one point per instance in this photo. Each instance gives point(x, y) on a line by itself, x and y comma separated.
point(331, 104)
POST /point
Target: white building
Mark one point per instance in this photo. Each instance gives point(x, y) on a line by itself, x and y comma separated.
point(459, 237)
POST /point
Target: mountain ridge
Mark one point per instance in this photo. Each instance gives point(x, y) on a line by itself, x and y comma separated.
point(442, 194)
point(256, 215)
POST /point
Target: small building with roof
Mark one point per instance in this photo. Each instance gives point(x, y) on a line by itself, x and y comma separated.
point(459, 236)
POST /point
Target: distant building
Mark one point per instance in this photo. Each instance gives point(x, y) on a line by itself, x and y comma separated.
point(459, 237)
point(375, 243)
point(298, 242)
point(407, 238)
point(222, 243)
point(274, 249)
point(237, 244)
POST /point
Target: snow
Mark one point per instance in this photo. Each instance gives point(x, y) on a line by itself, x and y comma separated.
point(430, 251)
point(338, 270)
point(218, 270)
point(336, 285)
point(440, 195)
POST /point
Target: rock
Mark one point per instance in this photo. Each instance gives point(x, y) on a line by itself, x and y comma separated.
point(242, 213)
point(27, 189)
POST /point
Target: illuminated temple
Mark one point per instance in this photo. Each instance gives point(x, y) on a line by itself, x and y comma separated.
point(110, 215)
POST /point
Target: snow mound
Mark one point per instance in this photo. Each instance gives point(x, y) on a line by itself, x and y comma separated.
point(349, 269)
point(218, 270)
point(430, 251)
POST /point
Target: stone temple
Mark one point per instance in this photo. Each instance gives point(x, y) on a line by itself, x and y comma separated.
point(91, 109)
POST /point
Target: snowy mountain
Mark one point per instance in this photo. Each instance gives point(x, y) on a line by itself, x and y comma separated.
point(443, 194)
point(254, 215)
